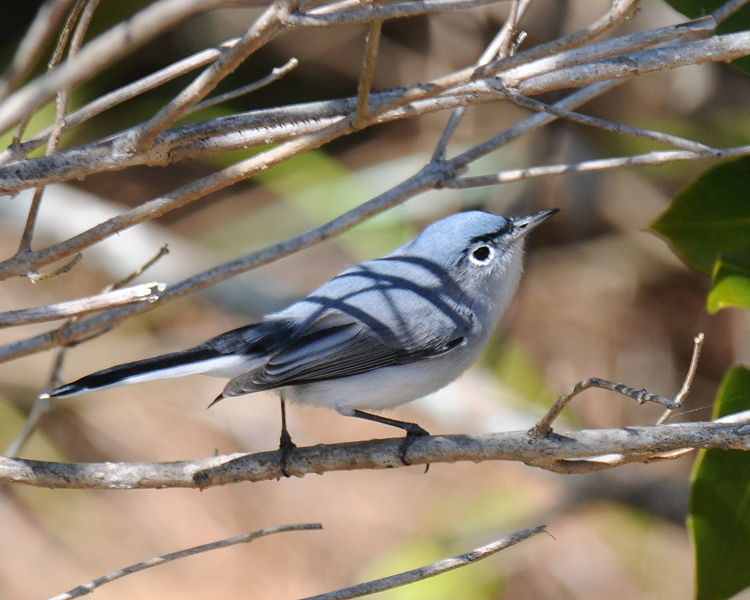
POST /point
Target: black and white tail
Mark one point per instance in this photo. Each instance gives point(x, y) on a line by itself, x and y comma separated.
point(226, 355)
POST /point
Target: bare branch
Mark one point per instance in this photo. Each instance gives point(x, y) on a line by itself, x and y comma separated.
point(649, 159)
point(436, 568)
point(263, 30)
point(544, 426)
point(118, 96)
point(43, 405)
point(138, 293)
point(728, 9)
point(464, 87)
point(87, 588)
point(85, 11)
point(688, 382)
point(30, 49)
point(612, 126)
point(642, 442)
point(275, 74)
point(372, 44)
point(728, 47)
point(499, 47)
point(386, 11)
point(101, 52)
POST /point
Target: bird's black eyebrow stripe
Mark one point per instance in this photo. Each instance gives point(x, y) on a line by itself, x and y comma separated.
point(491, 237)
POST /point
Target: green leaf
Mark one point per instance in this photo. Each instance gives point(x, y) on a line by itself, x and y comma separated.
point(711, 217)
point(730, 285)
point(739, 21)
point(719, 518)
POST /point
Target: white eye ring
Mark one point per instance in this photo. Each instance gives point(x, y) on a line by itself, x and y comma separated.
point(482, 255)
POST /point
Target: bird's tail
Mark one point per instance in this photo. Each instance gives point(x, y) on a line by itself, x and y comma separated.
point(196, 360)
point(226, 355)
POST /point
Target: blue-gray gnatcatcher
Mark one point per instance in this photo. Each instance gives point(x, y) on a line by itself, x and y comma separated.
point(382, 333)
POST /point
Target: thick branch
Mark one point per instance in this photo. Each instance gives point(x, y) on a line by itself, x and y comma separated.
point(643, 442)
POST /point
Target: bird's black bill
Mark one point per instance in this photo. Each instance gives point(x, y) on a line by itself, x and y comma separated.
point(524, 225)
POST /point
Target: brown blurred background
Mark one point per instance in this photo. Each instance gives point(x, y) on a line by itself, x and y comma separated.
point(601, 297)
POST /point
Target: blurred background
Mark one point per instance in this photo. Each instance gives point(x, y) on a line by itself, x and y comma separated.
point(601, 296)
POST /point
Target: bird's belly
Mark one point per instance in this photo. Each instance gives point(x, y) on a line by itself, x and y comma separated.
point(381, 388)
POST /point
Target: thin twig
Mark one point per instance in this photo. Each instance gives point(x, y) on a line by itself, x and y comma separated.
point(33, 43)
point(498, 48)
point(688, 381)
point(648, 159)
point(437, 568)
point(265, 28)
point(87, 588)
point(61, 105)
point(544, 426)
point(367, 73)
point(727, 9)
point(101, 52)
point(275, 74)
point(642, 442)
point(43, 405)
point(145, 292)
point(36, 277)
point(82, 12)
point(118, 96)
point(612, 126)
point(40, 407)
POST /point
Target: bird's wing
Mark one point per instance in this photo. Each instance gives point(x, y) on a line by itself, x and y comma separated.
point(337, 345)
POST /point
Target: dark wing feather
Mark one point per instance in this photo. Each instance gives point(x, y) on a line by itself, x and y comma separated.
point(337, 345)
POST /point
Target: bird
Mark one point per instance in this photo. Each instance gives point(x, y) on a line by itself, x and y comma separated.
point(377, 335)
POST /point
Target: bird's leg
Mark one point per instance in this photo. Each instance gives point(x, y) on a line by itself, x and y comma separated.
point(286, 445)
point(412, 430)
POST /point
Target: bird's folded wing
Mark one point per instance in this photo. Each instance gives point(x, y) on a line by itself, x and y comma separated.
point(337, 345)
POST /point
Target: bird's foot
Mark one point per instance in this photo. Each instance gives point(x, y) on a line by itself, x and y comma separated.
point(413, 431)
point(286, 446)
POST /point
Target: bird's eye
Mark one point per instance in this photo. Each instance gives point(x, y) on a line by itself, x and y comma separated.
point(482, 255)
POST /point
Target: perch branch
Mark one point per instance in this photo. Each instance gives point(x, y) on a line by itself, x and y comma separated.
point(548, 452)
